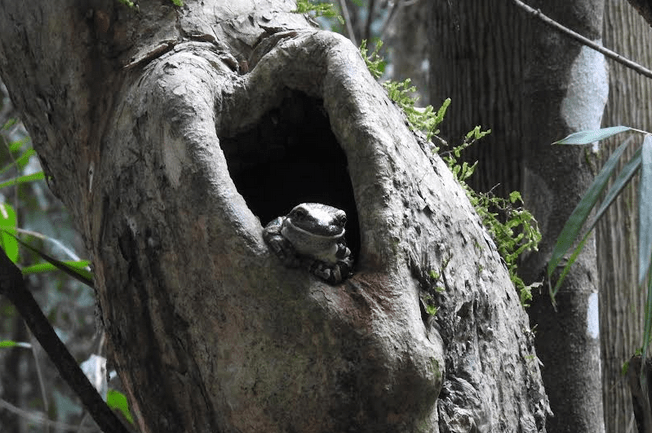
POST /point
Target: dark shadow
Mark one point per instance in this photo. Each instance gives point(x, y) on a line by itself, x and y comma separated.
point(291, 156)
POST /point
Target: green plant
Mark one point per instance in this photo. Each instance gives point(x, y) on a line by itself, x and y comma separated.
point(374, 61)
point(513, 228)
point(118, 401)
point(19, 184)
point(19, 153)
point(128, 3)
point(421, 119)
point(319, 9)
point(576, 230)
point(576, 224)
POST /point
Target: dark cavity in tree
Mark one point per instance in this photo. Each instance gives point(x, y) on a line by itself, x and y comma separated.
point(291, 156)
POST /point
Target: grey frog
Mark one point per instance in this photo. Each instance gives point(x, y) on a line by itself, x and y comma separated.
point(312, 236)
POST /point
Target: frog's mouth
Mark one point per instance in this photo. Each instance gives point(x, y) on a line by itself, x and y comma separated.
point(291, 156)
point(331, 232)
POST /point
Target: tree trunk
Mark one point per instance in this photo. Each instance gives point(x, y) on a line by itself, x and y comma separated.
point(170, 131)
point(644, 8)
point(483, 76)
point(532, 86)
point(568, 84)
point(622, 301)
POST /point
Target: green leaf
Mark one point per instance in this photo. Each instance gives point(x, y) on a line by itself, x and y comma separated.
point(23, 179)
point(645, 210)
point(9, 124)
point(20, 162)
point(117, 400)
point(81, 275)
point(15, 146)
point(621, 181)
point(590, 136)
point(573, 226)
point(8, 225)
point(79, 265)
point(566, 270)
point(10, 343)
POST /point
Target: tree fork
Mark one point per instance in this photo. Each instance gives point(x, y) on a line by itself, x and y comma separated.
point(170, 162)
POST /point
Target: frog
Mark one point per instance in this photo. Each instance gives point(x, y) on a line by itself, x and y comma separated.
point(311, 236)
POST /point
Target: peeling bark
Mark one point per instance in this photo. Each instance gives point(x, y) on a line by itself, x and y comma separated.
point(202, 125)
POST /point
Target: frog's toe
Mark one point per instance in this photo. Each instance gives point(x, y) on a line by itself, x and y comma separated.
point(328, 273)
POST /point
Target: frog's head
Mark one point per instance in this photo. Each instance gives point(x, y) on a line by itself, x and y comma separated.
point(318, 220)
point(314, 229)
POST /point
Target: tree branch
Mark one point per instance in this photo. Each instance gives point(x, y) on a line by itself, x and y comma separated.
point(367, 27)
point(347, 22)
point(584, 41)
point(12, 285)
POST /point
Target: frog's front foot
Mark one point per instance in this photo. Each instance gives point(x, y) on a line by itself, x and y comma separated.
point(283, 249)
point(331, 273)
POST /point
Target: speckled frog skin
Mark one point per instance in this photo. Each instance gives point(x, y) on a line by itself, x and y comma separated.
point(312, 236)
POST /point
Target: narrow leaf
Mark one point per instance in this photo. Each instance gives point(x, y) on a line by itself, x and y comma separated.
point(621, 181)
point(9, 124)
point(80, 275)
point(23, 179)
point(10, 343)
point(21, 161)
point(645, 210)
point(8, 225)
point(590, 136)
point(571, 260)
point(49, 267)
point(573, 226)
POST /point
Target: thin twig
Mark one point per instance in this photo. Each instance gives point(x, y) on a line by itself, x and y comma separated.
point(370, 17)
point(347, 21)
point(41, 381)
point(581, 39)
point(389, 19)
point(40, 418)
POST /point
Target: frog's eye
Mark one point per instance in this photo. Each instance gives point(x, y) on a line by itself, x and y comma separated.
point(341, 219)
point(299, 213)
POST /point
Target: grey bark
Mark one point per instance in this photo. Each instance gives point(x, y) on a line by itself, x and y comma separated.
point(532, 87)
point(169, 131)
point(568, 87)
point(621, 317)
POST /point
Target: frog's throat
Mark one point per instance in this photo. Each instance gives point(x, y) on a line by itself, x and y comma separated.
point(315, 235)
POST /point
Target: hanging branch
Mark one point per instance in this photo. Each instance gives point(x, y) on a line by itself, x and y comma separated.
point(13, 287)
point(581, 39)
